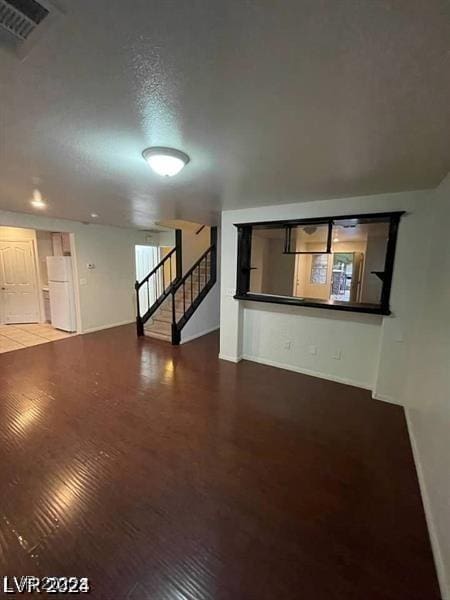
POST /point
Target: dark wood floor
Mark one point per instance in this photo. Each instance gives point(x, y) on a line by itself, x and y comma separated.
point(164, 473)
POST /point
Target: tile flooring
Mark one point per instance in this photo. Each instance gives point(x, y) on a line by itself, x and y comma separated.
point(16, 337)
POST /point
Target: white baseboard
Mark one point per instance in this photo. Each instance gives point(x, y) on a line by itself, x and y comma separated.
point(319, 374)
point(385, 398)
point(233, 359)
point(438, 560)
point(197, 335)
point(94, 329)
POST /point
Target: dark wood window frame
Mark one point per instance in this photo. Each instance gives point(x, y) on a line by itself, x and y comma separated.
point(244, 261)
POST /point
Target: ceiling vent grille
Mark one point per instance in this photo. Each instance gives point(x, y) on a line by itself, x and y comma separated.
point(21, 17)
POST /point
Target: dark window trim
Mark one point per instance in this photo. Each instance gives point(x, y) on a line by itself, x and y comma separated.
point(372, 309)
point(244, 262)
point(287, 239)
point(320, 220)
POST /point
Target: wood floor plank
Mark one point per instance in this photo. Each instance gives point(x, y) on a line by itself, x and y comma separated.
point(161, 472)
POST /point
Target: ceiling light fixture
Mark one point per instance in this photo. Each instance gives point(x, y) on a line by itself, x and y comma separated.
point(165, 161)
point(37, 201)
point(94, 215)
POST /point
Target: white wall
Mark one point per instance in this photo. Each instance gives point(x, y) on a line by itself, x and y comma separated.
point(107, 297)
point(207, 316)
point(260, 331)
point(427, 395)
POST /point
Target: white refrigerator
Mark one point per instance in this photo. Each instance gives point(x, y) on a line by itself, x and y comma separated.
point(61, 292)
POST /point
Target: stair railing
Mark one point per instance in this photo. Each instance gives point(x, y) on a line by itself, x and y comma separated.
point(190, 290)
point(158, 284)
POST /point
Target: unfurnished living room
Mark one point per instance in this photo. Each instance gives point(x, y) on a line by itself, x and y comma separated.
point(224, 299)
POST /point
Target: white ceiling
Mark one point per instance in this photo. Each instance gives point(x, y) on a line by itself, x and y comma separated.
point(274, 102)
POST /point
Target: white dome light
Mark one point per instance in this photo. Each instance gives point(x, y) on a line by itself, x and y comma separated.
point(165, 161)
point(37, 200)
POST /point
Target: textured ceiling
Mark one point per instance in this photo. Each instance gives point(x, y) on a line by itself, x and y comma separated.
point(274, 102)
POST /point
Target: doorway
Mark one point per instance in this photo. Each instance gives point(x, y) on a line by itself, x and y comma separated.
point(147, 257)
point(31, 310)
point(346, 276)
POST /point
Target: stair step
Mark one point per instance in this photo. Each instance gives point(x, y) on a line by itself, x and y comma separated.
point(166, 317)
point(157, 335)
point(159, 327)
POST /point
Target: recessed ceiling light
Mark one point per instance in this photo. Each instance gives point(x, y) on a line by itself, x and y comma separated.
point(94, 215)
point(37, 201)
point(165, 161)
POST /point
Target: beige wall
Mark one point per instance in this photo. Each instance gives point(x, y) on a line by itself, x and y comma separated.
point(272, 271)
point(258, 259)
point(375, 261)
point(194, 245)
point(280, 271)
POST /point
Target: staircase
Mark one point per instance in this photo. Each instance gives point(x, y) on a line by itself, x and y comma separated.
point(177, 296)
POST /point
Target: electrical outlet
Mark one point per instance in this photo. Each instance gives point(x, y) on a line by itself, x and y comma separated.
point(287, 345)
point(83, 281)
point(312, 350)
point(337, 354)
point(229, 292)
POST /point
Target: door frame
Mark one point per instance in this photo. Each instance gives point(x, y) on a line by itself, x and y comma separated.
point(76, 281)
point(34, 260)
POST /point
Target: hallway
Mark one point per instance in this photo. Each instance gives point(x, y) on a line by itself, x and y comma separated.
point(162, 472)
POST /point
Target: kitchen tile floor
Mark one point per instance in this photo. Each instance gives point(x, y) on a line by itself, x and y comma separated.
point(16, 337)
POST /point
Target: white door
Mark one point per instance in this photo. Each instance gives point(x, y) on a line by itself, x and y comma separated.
point(18, 288)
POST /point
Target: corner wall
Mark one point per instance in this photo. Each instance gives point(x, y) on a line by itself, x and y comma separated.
point(427, 396)
point(262, 332)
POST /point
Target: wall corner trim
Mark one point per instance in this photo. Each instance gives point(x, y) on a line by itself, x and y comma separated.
point(190, 338)
point(432, 529)
point(311, 373)
point(110, 326)
point(386, 398)
point(234, 359)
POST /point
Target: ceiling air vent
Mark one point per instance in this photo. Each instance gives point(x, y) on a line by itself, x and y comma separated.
point(21, 17)
point(22, 23)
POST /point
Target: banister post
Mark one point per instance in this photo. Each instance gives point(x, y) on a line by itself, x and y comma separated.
point(179, 253)
point(139, 323)
point(175, 331)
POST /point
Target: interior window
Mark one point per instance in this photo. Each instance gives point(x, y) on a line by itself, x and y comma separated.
point(340, 262)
